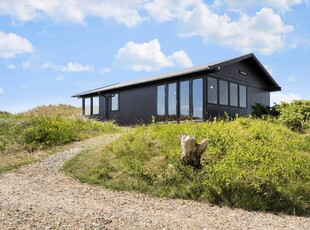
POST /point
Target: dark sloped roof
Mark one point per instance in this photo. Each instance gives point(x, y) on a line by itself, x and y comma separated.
point(182, 72)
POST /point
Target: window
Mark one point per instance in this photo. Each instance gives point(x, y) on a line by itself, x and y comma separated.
point(161, 100)
point(95, 105)
point(212, 90)
point(242, 96)
point(114, 102)
point(87, 106)
point(184, 100)
point(172, 101)
point(233, 94)
point(223, 92)
point(197, 99)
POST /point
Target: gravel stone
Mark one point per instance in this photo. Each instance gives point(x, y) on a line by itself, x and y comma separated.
point(40, 196)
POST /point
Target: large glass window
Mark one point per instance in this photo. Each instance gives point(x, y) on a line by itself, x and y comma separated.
point(223, 92)
point(172, 101)
point(161, 100)
point(114, 102)
point(197, 99)
point(87, 106)
point(233, 93)
point(95, 105)
point(184, 100)
point(242, 96)
point(212, 90)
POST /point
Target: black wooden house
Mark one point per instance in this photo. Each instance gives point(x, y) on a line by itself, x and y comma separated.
point(196, 93)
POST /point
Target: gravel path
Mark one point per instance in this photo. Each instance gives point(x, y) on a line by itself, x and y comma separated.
point(39, 196)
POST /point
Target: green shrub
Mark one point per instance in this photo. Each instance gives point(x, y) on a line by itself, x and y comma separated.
point(295, 115)
point(261, 111)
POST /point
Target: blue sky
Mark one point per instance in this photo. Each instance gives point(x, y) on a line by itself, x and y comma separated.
point(52, 49)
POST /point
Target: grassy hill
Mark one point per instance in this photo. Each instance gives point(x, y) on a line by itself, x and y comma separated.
point(55, 110)
point(250, 163)
point(23, 135)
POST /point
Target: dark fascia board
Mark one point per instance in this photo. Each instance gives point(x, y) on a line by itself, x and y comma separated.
point(196, 69)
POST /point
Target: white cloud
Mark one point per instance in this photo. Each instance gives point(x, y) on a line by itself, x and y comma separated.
point(291, 79)
point(1, 90)
point(70, 67)
point(104, 70)
point(48, 65)
point(163, 10)
point(282, 5)
point(11, 66)
point(76, 67)
point(149, 57)
point(27, 65)
point(123, 11)
point(264, 32)
point(60, 78)
point(278, 97)
point(12, 44)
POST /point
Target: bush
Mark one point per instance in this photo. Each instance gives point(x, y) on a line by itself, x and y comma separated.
point(262, 111)
point(295, 115)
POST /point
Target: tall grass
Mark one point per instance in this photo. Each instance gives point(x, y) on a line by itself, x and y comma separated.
point(252, 164)
point(30, 132)
point(28, 137)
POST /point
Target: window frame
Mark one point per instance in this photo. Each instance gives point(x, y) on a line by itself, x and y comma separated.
point(237, 94)
point(219, 92)
point(216, 88)
point(246, 96)
point(192, 94)
point(164, 87)
point(118, 100)
point(85, 106)
point(93, 108)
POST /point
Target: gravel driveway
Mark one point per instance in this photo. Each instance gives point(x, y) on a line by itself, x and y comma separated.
point(39, 196)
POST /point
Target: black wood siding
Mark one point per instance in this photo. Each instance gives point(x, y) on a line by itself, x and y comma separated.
point(137, 104)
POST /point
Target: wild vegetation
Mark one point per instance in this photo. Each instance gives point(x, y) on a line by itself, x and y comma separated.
point(253, 164)
point(43, 128)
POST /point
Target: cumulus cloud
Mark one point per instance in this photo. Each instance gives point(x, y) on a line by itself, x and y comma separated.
point(76, 67)
point(1, 90)
point(70, 67)
point(264, 32)
point(149, 57)
point(12, 44)
point(122, 11)
point(163, 10)
point(278, 97)
point(11, 66)
point(237, 5)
